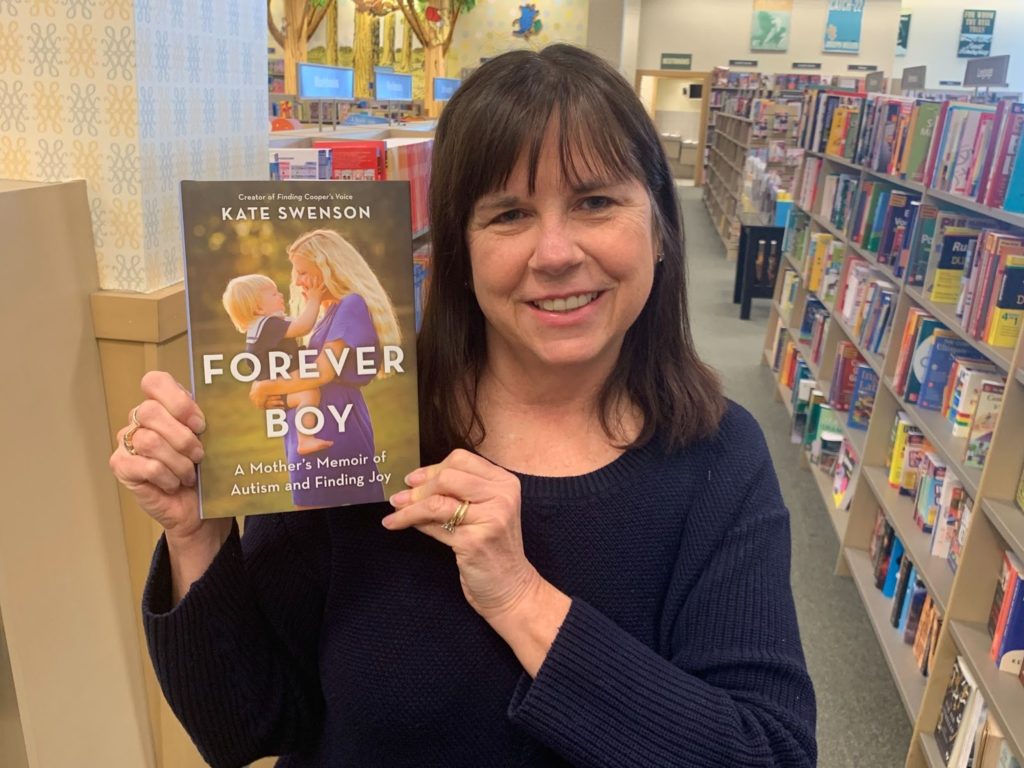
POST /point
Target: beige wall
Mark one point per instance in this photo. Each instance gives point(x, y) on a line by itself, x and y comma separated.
point(715, 31)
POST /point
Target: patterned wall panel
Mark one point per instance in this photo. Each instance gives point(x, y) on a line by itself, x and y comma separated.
point(67, 110)
point(133, 95)
point(202, 103)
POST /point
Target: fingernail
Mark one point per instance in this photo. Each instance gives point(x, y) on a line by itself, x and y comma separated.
point(400, 498)
point(386, 521)
point(198, 456)
point(197, 425)
point(414, 477)
point(190, 481)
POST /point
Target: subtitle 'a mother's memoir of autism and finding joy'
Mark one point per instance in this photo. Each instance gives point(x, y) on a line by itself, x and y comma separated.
point(333, 418)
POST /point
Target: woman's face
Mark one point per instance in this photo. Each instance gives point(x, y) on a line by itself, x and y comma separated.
point(305, 274)
point(561, 274)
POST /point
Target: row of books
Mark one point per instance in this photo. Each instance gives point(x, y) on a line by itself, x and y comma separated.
point(966, 734)
point(972, 150)
point(723, 77)
point(394, 158)
point(913, 613)
point(1006, 617)
point(867, 305)
point(936, 370)
point(795, 82)
point(816, 419)
point(942, 507)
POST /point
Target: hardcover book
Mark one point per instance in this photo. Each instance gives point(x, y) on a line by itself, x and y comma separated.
point(333, 376)
point(983, 424)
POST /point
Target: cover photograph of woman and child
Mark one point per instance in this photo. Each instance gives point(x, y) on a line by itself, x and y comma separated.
point(302, 342)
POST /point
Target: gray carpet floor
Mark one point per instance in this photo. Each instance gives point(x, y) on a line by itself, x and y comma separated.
point(861, 721)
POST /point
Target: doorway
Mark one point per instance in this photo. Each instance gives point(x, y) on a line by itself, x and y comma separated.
point(678, 103)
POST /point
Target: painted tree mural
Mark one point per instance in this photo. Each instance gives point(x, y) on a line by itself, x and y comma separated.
point(301, 19)
point(387, 45)
point(433, 23)
point(368, 12)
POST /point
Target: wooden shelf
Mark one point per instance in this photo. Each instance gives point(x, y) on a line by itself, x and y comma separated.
point(1008, 519)
point(1002, 691)
point(842, 161)
point(965, 203)
point(787, 396)
point(898, 655)
point(1001, 356)
point(938, 432)
point(899, 510)
point(727, 161)
point(913, 186)
point(930, 747)
point(731, 116)
point(739, 144)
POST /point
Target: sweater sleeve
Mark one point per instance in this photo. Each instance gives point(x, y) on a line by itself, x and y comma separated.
point(236, 657)
point(732, 688)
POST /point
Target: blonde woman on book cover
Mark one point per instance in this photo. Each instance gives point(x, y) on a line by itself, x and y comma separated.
point(592, 566)
point(355, 311)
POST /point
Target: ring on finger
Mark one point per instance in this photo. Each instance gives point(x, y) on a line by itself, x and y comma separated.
point(126, 439)
point(456, 519)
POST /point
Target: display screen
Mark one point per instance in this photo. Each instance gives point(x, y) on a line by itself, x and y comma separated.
point(393, 87)
point(320, 83)
point(444, 87)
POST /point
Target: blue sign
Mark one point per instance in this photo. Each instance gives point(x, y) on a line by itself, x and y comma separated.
point(320, 83)
point(444, 87)
point(393, 87)
point(842, 29)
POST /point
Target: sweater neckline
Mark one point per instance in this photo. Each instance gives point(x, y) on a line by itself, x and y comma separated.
point(624, 467)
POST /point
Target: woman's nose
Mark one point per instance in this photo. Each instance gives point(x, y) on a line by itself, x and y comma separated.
point(555, 249)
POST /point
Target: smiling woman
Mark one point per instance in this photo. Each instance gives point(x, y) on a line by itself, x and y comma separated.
point(593, 567)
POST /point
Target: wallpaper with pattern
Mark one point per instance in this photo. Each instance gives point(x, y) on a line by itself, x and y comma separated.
point(133, 96)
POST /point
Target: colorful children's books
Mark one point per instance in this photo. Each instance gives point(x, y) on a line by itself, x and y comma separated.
point(983, 423)
point(335, 378)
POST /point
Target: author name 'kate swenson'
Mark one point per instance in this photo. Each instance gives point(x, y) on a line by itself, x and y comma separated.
point(302, 342)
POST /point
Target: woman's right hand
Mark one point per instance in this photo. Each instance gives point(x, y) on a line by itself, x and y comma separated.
point(162, 473)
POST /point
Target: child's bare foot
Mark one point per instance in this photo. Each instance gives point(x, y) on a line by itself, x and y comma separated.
point(308, 444)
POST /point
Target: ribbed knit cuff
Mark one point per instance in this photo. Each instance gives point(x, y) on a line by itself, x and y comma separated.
point(603, 698)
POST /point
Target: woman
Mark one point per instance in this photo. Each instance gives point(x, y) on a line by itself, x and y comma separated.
point(591, 569)
point(356, 312)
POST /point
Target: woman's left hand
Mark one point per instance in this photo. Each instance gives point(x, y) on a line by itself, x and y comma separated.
point(488, 544)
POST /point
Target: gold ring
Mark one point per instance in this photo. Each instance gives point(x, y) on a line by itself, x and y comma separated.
point(126, 440)
point(455, 520)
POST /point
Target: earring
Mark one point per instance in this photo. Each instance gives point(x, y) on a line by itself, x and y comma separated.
point(661, 257)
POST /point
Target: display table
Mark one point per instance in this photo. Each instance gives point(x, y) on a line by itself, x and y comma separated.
point(759, 252)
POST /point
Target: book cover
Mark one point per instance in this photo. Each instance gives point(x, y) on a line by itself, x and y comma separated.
point(1008, 312)
point(862, 401)
point(1013, 200)
point(937, 368)
point(1008, 643)
point(874, 236)
point(924, 129)
point(339, 424)
point(1019, 498)
point(914, 605)
point(983, 423)
point(927, 334)
point(892, 572)
point(300, 164)
point(1009, 574)
point(1006, 250)
point(959, 691)
point(903, 584)
point(956, 243)
point(1005, 158)
point(353, 160)
point(964, 399)
point(917, 265)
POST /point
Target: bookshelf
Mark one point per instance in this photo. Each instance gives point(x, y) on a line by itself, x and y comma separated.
point(963, 597)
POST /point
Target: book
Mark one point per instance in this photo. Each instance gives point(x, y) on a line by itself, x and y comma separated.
point(956, 243)
point(353, 438)
point(983, 423)
point(1009, 576)
point(1008, 641)
point(958, 705)
point(938, 364)
point(1007, 314)
point(300, 164)
point(930, 331)
point(862, 400)
point(1019, 497)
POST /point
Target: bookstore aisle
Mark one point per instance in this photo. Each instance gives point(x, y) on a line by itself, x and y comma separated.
point(861, 721)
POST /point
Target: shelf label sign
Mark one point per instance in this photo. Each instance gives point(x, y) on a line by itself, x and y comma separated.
point(875, 82)
point(988, 72)
point(681, 61)
point(976, 34)
point(806, 65)
point(862, 68)
point(913, 78)
point(742, 63)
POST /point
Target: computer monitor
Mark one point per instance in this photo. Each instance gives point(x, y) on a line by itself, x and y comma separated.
point(321, 83)
point(444, 87)
point(391, 86)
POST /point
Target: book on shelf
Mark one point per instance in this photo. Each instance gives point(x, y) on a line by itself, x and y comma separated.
point(883, 554)
point(945, 352)
point(1003, 155)
point(947, 516)
point(896, 556)
point(962, 525)
point(913, 605)
point(955, 244)
point(300, 164)
point(1006, 618)
point(931, 473)
point(983, 423)
point(991, 749)
point(916, 319)
point(1003, 324)
point(844, 373)
point(970, 373)
point(321, 445)
point(923, 635)
point(862, 399)
point(902, 427)
point(897, 224)
point(904, 582)
point(1019, 497)
point(916, 269)
point(846, 465)
point(915, 447)
point(929, 332)
point(802, 391)
point(958, 715)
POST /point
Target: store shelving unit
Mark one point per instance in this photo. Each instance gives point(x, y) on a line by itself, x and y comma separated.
point(964, 597)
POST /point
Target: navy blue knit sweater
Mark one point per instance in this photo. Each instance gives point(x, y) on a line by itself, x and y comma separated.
point(322, 637)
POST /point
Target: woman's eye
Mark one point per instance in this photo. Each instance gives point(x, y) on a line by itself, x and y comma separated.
point(595, 203)
point(507, 217)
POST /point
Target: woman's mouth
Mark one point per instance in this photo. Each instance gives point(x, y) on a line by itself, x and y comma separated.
point(567, 303)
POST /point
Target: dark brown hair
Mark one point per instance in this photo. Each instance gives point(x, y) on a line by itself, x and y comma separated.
point(499, 112)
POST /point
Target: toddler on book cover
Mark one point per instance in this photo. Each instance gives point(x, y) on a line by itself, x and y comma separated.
point(256, 307)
